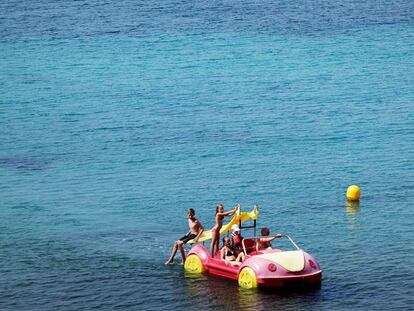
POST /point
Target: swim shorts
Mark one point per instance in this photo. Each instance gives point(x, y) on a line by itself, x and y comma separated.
point(188, 237)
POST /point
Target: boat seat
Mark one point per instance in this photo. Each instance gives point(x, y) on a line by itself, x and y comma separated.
point(218, 255)
point(250, 245)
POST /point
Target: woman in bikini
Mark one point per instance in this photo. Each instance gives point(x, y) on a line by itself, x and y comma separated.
point(228, 254)
point(215, 231)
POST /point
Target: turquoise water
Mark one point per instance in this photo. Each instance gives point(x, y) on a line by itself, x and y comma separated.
point(116, 118)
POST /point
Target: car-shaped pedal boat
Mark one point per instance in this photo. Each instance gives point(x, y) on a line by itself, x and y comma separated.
point(272, 267)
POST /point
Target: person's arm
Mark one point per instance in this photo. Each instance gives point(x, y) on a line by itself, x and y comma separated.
point(200, 231)
point(269, 239)
point(261, 241)
point(223, 253)
point(229, 213)
point(266, 240)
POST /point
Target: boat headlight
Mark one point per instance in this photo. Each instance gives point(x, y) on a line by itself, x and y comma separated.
point(272, 267)
point(312, 264)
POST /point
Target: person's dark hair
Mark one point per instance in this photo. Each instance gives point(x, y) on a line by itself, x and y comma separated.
point(265, 231)
point(218, 206)
point(192, 211)
point(224, 240)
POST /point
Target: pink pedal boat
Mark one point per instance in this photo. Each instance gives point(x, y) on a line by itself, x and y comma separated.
point(273, 267)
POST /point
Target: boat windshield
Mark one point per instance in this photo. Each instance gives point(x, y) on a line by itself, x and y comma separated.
point(279, 242)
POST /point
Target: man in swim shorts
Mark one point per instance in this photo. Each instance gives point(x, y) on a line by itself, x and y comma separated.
point(196, 228)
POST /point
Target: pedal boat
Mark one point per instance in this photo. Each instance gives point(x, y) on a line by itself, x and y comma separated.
point(271, 267)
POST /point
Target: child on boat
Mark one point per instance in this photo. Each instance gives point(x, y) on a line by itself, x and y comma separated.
point(236, 239)
point(215, 231)
point(228, 254)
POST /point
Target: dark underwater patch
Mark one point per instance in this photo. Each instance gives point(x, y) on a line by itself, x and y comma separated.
point(24, 163)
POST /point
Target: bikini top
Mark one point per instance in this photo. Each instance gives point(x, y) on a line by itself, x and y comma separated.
point(229, 252)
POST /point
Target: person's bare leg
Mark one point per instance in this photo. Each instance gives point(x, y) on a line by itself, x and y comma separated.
point(213, 244)
point(217, 246)
point(213, 240)
point(181, 247)
point(174, 251)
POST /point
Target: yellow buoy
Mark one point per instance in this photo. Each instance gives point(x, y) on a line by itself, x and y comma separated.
point(353, 193)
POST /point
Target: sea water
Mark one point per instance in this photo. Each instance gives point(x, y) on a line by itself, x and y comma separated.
point(116, 117)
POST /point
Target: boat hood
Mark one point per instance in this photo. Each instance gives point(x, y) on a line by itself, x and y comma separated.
point(292, 261)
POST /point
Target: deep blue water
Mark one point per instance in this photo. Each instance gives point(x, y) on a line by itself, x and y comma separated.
point(116, 117)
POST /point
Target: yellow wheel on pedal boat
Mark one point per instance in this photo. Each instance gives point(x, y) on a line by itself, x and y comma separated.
point(247, 278)
point(193, 264)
